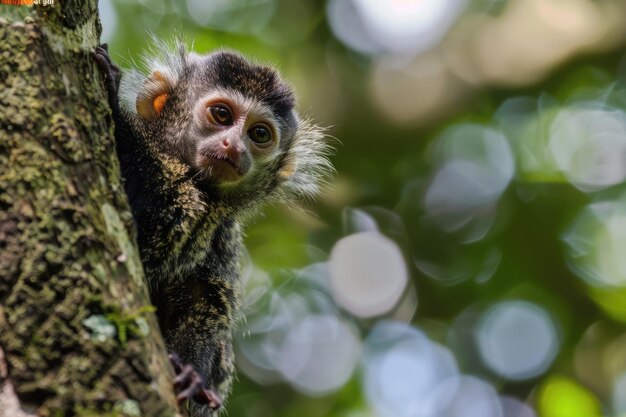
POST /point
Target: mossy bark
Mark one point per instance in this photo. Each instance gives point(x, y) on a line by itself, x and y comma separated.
point(75, 336)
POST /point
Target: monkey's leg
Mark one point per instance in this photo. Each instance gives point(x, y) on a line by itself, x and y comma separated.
point(197, 329)
point(195, 317)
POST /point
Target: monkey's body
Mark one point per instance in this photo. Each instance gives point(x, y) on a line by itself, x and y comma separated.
point(191, 183)
point(189, 244)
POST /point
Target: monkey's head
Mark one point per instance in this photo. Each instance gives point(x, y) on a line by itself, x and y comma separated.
point(232, 122)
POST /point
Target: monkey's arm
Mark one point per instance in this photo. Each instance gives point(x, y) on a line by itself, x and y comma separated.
point(112, 77)
point(132, 151)
point(124, 135)
point(126, 140)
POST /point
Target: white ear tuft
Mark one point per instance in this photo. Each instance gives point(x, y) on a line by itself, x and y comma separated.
point(164, 62)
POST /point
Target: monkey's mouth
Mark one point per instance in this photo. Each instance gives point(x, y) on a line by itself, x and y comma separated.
point(219, 166)
point(226, 159)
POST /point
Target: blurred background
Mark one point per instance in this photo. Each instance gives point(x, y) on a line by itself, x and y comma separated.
point(469, 257)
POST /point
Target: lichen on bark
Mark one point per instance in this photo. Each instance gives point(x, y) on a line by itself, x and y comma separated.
point(67, 251)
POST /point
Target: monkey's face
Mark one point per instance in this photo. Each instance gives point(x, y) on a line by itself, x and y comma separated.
point(231, 136)
point(232, 122)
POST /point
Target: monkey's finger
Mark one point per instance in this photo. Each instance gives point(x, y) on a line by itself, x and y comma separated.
point(112, 73)
point(186, 394)
point(104, 51)
point(184, 377)
point(195, 386)
point(176, 362)
point(210, 398)
point(102, 63)
point(103, 55)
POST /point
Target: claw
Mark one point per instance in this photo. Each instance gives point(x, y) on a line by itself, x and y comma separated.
point(176, 362)
point(189, 385)
point(184, 377)
point(112, 73)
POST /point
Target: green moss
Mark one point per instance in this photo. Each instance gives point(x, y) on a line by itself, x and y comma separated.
point(130, 324)
point(14, 14)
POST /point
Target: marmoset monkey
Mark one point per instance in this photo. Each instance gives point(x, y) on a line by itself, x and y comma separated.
point(203, 141)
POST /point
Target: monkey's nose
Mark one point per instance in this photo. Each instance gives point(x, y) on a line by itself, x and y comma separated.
point(232, 149)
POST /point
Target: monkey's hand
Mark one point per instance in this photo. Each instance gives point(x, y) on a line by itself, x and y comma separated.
point(189, 385)
point(111, 72)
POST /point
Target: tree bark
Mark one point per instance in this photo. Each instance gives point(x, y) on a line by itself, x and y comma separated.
point(77, 335)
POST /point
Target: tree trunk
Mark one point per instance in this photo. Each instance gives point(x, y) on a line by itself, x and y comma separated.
point(77, 335)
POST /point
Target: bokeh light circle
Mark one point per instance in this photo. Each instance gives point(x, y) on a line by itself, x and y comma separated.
point(464, 396)
point(517, 340)
point(596, 243)
point(619, 395)
point(368, 274)
point(563, 396)
point(404, 27)
point(475, 166)
point(402, 368)
point(589, 145)
point(319, 354)
point(512, 407)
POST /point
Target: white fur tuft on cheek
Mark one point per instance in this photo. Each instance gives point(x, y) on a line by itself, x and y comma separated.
point(307, 166)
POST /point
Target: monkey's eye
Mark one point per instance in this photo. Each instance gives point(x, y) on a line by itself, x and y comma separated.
point(221, 114)
point(260, 134)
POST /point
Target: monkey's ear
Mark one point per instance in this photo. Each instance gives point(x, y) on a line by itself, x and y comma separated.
point(153, 95)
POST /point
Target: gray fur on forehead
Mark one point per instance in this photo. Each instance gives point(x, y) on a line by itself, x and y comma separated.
point(231, 71)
